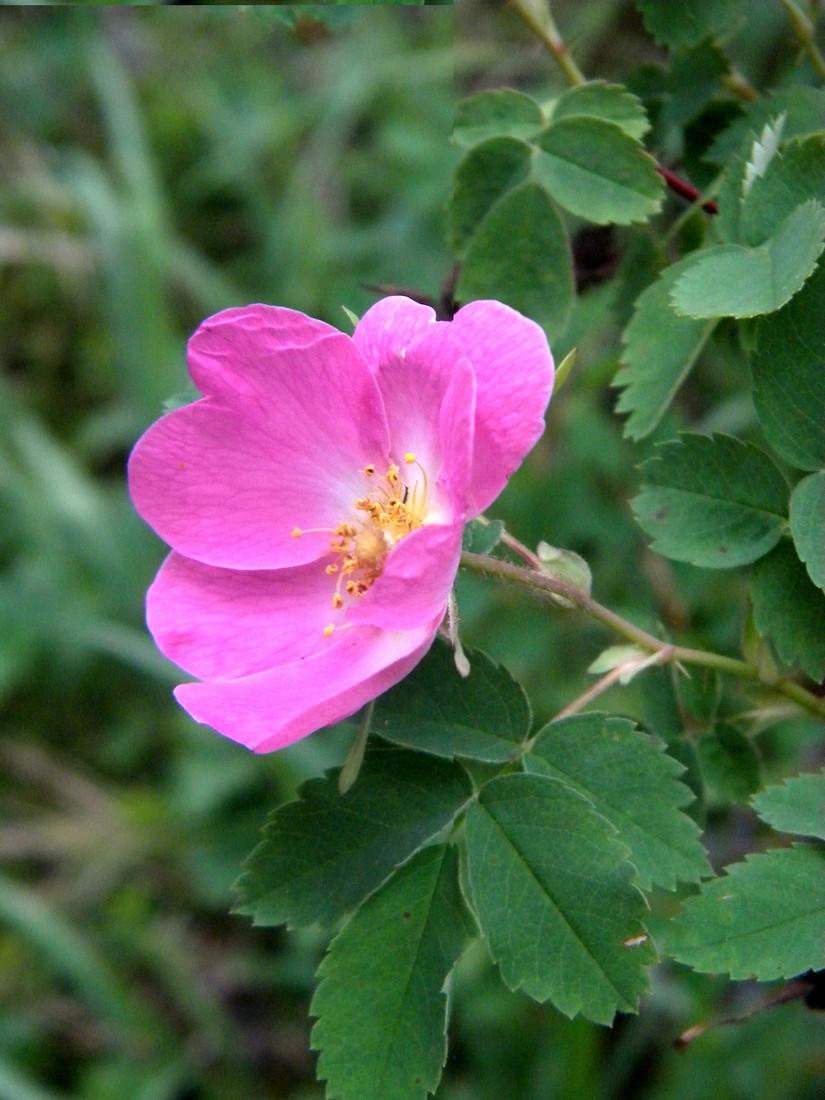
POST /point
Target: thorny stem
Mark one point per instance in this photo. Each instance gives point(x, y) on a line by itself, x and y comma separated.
point(536, 15)
point(804, 31)
point(550, 588)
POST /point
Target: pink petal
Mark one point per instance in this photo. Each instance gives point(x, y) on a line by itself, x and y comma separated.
point(291, 414)
point(456, 430)
point(412, 387)
point(416, 581)
point(272, 709)
point(388, 327)
point(420, 570)
point(514, 377)
point(225, 623)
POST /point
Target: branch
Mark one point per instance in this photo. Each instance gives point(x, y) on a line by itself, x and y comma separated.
point(550, 589)
point(537, 16)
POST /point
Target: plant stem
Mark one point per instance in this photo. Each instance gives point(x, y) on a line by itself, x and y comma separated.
point(550, 588)
point(685, 189)
point(536, 15)
point(804, 31)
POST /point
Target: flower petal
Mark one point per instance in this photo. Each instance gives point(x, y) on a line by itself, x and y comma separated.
point(413, 387)
point(291, 415)
point(514, 378)
point(226, 623)
point(416, 581)
point(390, 326)
point(272, 709)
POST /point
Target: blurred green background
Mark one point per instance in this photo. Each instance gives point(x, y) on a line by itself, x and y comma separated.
point(158, 166)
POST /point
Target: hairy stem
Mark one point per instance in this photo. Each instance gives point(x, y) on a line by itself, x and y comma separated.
point(550, 589)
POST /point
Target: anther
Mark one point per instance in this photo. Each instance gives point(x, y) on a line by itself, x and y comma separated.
point(369, 470)
point(328, 630)
point(410, 458)
point(297, 532)
point(330, 569)
point(337, 601)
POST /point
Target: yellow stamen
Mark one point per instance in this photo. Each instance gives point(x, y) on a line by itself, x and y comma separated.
point(359, 546)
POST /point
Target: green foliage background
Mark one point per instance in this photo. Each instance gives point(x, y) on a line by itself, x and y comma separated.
point(160, 166)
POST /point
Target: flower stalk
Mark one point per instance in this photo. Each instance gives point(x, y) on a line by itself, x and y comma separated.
point(551, 589)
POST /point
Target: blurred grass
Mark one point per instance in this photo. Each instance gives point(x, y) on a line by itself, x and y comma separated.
point(159, 166)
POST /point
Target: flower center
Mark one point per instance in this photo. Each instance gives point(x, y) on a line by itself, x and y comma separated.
point(387, 513)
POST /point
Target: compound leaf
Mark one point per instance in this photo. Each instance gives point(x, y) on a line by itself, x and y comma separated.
point(324, 853)
point(484, 716)
point(713, 501)
point(808, 524)
point(597, 171)
point(660, 347)
point(730, 280)
point(610, 102)
point(789, 609)
point(630, 781)
point(789, 376)
point(764, 919)
point(494, 113)
point(795, 806)
point(554, 895)
point(381, 1005)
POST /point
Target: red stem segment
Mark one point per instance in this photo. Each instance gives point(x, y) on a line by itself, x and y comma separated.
point(686, 190)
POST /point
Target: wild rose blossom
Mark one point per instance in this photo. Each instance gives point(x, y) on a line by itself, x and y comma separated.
point(315, 497)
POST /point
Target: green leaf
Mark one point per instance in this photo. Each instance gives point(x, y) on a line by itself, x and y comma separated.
point(630, 781)
point(660, 347)
point(730, 762)
point(789, 376)
point(381, 1006)
point(496, 113)
point(803, 108)
point(789, 609)
point(595, 170)
point(481, 536)
point(484, 175)
point(713, 501)
point(793, 177)
point(520, 255)
point(610, 102)
point(695, 81)
point(808, 524)
point(484, 716)
point(324, 853)
point(554, 897)
point(795, 806)
point(729, 280)
point(764, 919)
point(566, 566)
point(695, 20)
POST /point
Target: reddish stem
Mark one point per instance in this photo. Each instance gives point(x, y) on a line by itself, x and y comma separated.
point(686, 190)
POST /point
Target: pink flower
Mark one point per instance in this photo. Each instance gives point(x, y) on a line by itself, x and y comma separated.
point(315, 498)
